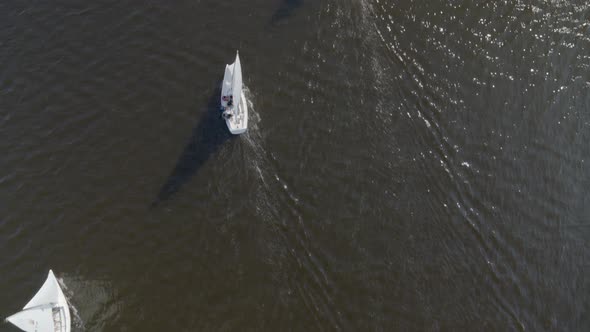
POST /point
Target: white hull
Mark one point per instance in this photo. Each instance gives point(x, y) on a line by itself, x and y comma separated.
point(238, 124)
point(236, 112)
point(47, 311)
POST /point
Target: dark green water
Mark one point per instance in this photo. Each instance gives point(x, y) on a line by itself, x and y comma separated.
point(409, 165)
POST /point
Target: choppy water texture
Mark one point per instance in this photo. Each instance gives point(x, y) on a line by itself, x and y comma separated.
point(410, 165)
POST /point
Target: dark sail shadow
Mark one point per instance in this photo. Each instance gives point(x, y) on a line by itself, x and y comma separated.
point(285, 11)
point(208, 136)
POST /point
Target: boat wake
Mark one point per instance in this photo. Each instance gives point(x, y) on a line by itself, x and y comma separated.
point(76, 320)
point(93, 304)
point(278, 205)
point(262, 162)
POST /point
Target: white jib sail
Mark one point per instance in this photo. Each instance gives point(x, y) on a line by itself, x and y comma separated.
point(47, 311)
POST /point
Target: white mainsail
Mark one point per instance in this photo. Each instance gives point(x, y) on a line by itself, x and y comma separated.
point(47, 311)
point(237, 80)
point(226, 86)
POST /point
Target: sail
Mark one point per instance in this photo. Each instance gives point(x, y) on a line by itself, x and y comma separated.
point(237, 81)
point(37, 319)
point(48, 293)
point(227, 81)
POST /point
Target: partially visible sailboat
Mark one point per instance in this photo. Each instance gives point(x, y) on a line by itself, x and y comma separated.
point(47, 311)
point(233, 102)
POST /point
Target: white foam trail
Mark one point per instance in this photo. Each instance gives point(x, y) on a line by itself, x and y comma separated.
point(92, 302)
point(76, 320)
point(270, 185)
point(254, 139)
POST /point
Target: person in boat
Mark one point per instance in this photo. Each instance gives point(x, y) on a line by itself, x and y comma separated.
point(226, 114)
point(230, 102)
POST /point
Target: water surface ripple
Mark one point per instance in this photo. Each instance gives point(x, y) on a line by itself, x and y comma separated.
point(409, 166)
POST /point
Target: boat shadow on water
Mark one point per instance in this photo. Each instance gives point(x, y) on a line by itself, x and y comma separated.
point(285, 11)
point(207, 137)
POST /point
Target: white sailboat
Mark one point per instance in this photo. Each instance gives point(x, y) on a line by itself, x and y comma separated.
point(233, 102)
point(47, 311)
